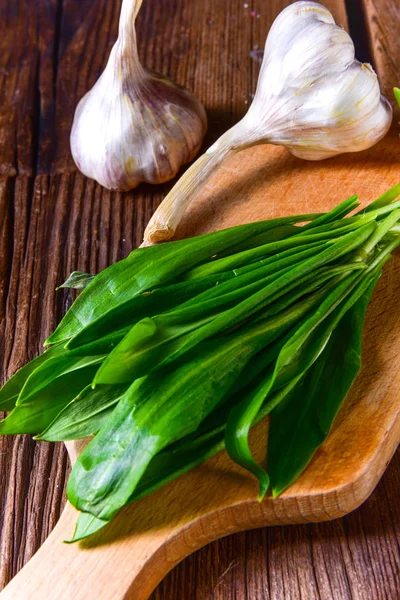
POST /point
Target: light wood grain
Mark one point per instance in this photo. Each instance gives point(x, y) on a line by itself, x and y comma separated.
point(52, 52)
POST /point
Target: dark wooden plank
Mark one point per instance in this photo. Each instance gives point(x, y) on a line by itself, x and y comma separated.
point(18, 73)
point(53, 220)
point(382, 19)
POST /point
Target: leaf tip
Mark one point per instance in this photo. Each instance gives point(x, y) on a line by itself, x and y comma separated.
point(396, 92)
point(277, 490)
point(264, 485)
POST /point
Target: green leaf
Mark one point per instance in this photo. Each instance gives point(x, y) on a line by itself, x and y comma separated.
point(99, 346)
point(10, 391)
point(85, 414)
point(334, 215)
point(384, 200)
point(302, 421)
point(269, 267)
point(40, 409)
point(277, 232)
point(276, 289)
point(195, 449)
point(152, 414)
point(396, 92)
point(52, 369)
point(144, 305)
point(279, 320)
point(77, 280)
point(86, 525)
point(47, 390)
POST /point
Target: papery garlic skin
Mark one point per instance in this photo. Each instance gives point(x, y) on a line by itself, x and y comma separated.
point(134, 126)
point(313, 97)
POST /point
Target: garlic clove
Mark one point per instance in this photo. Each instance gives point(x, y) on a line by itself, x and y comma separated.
point(312, 96)
point(135, 126)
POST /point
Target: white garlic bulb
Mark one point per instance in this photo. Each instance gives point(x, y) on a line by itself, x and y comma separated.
point(133, 125)
point(313, 97)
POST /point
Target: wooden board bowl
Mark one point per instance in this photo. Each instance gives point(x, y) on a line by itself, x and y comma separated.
point(147, 539)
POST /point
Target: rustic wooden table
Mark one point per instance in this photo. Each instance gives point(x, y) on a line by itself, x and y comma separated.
point(53, 220)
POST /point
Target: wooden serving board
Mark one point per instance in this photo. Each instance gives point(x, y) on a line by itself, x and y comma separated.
point(147, 539)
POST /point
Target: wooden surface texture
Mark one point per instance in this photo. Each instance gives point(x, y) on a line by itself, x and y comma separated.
point(53, 220)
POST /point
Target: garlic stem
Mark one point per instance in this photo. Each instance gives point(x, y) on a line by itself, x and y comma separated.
point(126, 45)
point(129, 12)
point(126, 26)
point(165, 220)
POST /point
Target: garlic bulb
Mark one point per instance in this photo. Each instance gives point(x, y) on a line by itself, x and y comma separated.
point(312, 96)
point(133, 125)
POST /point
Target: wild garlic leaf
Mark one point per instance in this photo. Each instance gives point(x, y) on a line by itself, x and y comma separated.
point(84, 415)
point(144, 305)
point(286, 247)
point(86, 525)
point(99, 346)
point(183, 456)
point(335, 215)
point(277, 232)
point(241, 417)
point(63, 364)
point(152, 342)
point(275, 330)
point(10, 391)
point(383, 201)
point(39, 409)
point(259, 270)
point(302, 421)
point(77, 281)
point(47, 390)
point(296, 357)
point(161, 408)
point(276, 289)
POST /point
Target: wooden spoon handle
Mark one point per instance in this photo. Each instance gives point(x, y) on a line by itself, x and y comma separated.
point(106, 572)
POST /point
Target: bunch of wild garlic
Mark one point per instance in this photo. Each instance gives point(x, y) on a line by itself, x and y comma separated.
point(176, 351)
